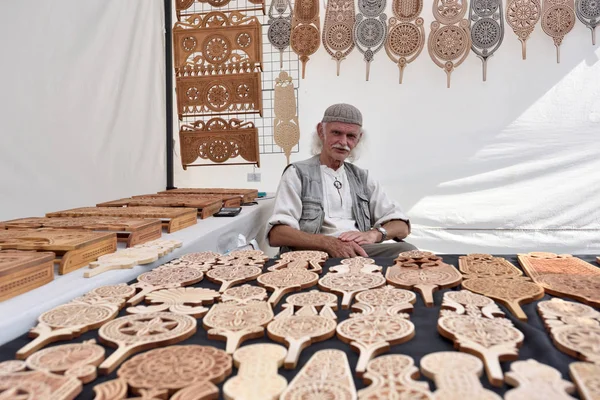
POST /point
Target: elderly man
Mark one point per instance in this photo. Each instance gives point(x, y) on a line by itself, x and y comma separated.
point(325, 203)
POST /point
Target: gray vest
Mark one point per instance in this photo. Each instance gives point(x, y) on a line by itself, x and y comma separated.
point(311, 220)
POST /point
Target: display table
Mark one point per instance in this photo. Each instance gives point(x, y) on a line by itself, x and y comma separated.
point(537, 343)
point(219, 234)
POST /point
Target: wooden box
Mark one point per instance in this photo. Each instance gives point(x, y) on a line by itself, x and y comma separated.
point(22, 271)
point(206, 206)
point(248, 195)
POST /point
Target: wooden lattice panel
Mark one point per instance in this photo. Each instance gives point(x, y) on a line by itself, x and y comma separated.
point(22, 271)
point(286, 126)
point(178, 218)
point(558, 19)
point(522, 16)
point(247, 195)
point(206, 206)
point(306, 24)
point(338, 40)
point(218, 141)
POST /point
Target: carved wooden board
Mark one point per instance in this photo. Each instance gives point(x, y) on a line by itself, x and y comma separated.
point(424, 280)
point(206, 206)
point(465, 302)
point(66, 322)
point(487, 266)
point(39, 385)
point(326, 375)
point(309, 260)
point(534, 380)
point(257, 255)
point(115, 389)
point(564, 275)
point(166, 278)
point(77, 248)
point(228, 276)
point(305, 33)
point(237, 322)
point(370, 29)
point(489, 339)
point(387, 299)
point(122, 259)
point(22, 271)
point(456, 376)
point(522, 16)
point(487, 29)
point(280, 26)
point(176, 218)
point(309, 303)
point(227, 199)
point(587, 378)
point(135, 333)
point(558, 19)
point(197, 391)
point(392, 376)
point(574, 327)
point(248, 195)
point(509, 292)
point(111, 294)
point(10, 366)
point(185, 301)
point(285, 281)
point(244, 294)
point(257, 377)
point(353, 276)
point(339, 22)
point(172, 368)
point(286, 125)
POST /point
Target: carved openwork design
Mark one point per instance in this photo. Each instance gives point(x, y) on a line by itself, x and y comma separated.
point(182, 5)
point(406, 34)
point(588, 12)
point(218, 140)
point(287, 128)
point(280, 26)
point(370, 30)
point(522, 16)
point(487, 29)
point(305, 30)
point(558, 19)
point(337, 29)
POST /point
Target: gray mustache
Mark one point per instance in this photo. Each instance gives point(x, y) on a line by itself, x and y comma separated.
point(337, 146)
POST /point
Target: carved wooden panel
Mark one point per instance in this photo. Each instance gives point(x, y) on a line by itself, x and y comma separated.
point(563, 275)
point(135, 333)
point(587, 378)
point(218, 140)
point(204, 257)
point(588, 12)
point(115, 389)
point(256, 258)
point(172, 368)
point(509, 292)
point(166, 278)
point(22, 271)
point(306, 24)
point(489, 339)
point(236, 322)
point(286, 126)
point(406, 34)
point(450, 38)
point(112, 294)
point(39, 385)
point(257, 377)
point(339, 22)
point(558, 19)
point(309, 260)
point(354, 275)
point(534, 380)
point(465, 302)
point(186, 301)
point(387, 299)
point(227, 199)
point(326, 375)
point(197, 391)
point(248, 195)
point(67, 321)
point(10, 366)
point(419, 259)
point(228, 276)
point(487, 266)
point(206, 206)
point(456, 376)
point(309, 303)
point(370, 29)
point(574, 327)
point(522, 16)
point(244, 294)
point(391, 376)
point(182, 5)
point(179, 218)
point(286, 281)
point(280, 26)
point(487, 29)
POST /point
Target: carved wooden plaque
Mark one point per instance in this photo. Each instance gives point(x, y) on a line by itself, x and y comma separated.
point(418, 259)
point(198, 391)
point(237, 322)
point(22, 271)
point(115, 294)
point(535, 380)
point(564, 275)
point(487, 266)
point(450, 38)
point(305, 30)
point(244, 294)
point(522, 16)
point(308, 303)
point(353, 276)
point(465, 302)
point(587, 378)
point(166, 278)
point(206, 206)
point(509, 292)
point(174, 367)
point(135, 333)
point(228, 276)
point(370, 29)
point(588, 12)
point(558, 19)
point(286, 281)
point(286, 126)
point(338, 40)
point(424, 280)
point(186, 301)
point(248, 195)
point(385, 300)
point(257, 255)
point(489, 339)
point(310, 260)
point(218, 140)
point(10, 366)
point(326, 375)
point(406, 34)
point(178, 218)
point(456, 376)
point(205, 257)
point(122, 259)
point(280, 26)
point(487, 29)
point(39, 385)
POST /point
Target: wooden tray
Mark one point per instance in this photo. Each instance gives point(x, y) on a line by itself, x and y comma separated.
point(247, 195)
point(22, 271)
point(206, 206)
point(129, 230)
point(174, 219)
point(77, 248)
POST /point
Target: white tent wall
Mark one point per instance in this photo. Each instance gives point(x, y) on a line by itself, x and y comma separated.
point(508, 165)
point(82, 103)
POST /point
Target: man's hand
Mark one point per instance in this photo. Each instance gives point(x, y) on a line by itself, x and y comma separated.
point(340, 249)
point(361, 238)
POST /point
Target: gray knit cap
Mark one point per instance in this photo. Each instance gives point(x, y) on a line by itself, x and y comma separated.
point(343, 113)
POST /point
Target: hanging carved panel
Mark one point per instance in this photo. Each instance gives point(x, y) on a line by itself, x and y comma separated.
point(450, 38)
point(22, 271)
point(218, 140)
point(588, 12)
point(522, 16)
point(280, 26)
point(487, 29)
point(406, 34)
point(306, 24)
point(558, 19)
point(286, 126)
point(337, 29)
point(182, 5)
point(238, 92)
point(370, 29)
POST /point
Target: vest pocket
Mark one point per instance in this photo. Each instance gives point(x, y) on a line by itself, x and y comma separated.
point(311, 219)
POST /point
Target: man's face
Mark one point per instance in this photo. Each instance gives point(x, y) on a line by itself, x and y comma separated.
point(338, 139)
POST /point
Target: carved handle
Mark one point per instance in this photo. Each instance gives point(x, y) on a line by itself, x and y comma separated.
point(293, 354)
point(367, 352)
point(115, 359)
point(45, 335)
point(427, 293)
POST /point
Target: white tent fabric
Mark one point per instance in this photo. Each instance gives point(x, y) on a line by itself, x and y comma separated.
point(82, 103)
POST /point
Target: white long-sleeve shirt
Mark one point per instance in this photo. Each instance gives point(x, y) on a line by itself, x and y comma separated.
point(337, 204)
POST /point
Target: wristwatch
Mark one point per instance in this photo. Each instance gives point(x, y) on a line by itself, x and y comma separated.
point(383, 233)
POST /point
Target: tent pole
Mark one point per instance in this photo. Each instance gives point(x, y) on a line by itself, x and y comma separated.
point(169, 90)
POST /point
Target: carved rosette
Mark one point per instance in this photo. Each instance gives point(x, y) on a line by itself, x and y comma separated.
point(406, 33)
point(280, 26)
point(588, 12)
point(286, 126)
point(370, 30)
point(337, 29)
point(522, 16)
point(558, 19)
point(305, 30)
point(487, 29)
point(450, 38)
